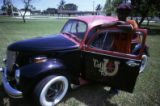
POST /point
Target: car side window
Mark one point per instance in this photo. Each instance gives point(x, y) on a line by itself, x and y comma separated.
point(82, 27)
point(76, 27)
point(103, 40)
point(117, 41)
point(98, 40)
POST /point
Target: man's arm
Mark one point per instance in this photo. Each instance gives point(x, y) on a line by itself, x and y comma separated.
point(114, 23)
point(126, 27)
point(120, 24)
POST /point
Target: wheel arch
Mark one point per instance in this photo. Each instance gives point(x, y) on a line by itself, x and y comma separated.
point(33, 73)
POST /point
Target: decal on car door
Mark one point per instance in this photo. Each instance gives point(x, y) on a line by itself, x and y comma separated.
point(106, 67)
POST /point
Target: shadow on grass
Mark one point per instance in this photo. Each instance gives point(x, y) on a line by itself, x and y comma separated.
point(11, 22)
point(90, 95)
point(153, 29)
point(5, 100)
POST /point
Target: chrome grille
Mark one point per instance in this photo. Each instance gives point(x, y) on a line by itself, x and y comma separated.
point(11, 58)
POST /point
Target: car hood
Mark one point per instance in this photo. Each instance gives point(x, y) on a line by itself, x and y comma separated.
point(41, 44)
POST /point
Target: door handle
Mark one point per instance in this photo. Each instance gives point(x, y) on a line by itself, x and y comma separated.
point(132, 63)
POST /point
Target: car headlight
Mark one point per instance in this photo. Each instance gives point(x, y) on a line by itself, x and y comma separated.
point(17, 75)
point(39, 59)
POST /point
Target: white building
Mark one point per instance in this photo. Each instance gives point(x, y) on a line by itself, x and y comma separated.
point(28, 13)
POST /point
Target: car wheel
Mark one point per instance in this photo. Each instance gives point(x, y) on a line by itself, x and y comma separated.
point(144, 63)
point(50, 90)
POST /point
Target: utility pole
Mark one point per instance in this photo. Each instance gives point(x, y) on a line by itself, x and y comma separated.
point(93, 7)
point(11, 8)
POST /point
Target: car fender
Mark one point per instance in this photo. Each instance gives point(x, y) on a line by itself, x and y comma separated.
point(31, 74)
point(35, 69)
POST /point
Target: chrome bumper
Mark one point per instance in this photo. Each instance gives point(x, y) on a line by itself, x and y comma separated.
point(14, 93)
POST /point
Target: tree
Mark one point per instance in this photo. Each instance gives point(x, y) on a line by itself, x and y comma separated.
point(70, 6)
point(98, 8)
point(144, 9)
point(7, 6)
point(27, 7)
point(108, 7)
point(61, 5)
point(4, 8)
point(111, 6)
point(51, 11)
point(115, 4)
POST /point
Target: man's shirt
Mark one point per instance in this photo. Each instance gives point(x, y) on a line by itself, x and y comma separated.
point(122, 41)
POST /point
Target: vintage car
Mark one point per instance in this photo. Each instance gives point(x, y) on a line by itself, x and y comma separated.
point(45, 67)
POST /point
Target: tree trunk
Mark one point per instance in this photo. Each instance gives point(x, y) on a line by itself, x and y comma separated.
point(142, 19)
point(148, 21)
point(24, 20)
point(136, 20)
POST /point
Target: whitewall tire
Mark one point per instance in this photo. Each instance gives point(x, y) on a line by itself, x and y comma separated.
point(51, 90)
point(144, 63)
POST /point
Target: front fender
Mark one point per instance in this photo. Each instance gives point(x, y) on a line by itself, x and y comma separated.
point(32, 70)
point(31, 74)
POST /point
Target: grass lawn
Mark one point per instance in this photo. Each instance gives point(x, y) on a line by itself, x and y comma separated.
point(147, 89)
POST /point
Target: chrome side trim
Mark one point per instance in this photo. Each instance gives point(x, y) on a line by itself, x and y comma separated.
point(4, 60)
point(132, 63)
point(1, 69)
point(14, 93)
point(111, 55)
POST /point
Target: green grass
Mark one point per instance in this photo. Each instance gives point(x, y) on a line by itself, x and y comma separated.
point(147, 89)
point(13, 30)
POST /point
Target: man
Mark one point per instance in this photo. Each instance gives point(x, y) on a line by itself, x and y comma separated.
point(121, 44)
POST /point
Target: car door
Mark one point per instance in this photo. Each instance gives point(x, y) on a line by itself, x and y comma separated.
point(114, 68)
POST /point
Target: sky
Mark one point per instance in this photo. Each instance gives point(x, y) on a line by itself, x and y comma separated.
point(83, 5)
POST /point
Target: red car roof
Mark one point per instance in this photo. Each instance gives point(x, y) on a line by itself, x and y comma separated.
point(96, 20)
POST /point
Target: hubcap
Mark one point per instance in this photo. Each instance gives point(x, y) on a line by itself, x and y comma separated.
point(54, 91)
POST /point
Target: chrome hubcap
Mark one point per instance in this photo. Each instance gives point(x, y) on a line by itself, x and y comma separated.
point(54, 91)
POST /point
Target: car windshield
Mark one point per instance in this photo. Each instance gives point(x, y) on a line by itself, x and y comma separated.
point(76, 28)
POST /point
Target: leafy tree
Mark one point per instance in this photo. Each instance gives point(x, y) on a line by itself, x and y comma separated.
point(115, 4)
point(70, 6)
point(7, 6)
point(111, 6)
point(99, 7)
point(61, 5)
point(9, 10)
point(4, 8)
point(108, 7)
point(27, 7)
point(145, 8)
point(50, 11)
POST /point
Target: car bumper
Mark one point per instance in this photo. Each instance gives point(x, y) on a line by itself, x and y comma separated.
point(14, 93)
